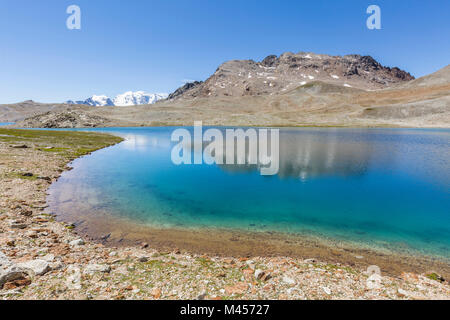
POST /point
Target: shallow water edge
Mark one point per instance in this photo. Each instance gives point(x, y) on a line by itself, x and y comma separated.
point(113, 231)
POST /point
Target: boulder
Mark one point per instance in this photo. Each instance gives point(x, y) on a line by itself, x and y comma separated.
point(36, 267)
point(73, 280)
point(9, 271)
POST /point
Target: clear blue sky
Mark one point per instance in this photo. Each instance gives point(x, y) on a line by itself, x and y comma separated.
point(155, 45)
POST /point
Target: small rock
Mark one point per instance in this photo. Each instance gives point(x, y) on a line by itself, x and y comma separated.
point(402, 293)
point(267, 276)
point(259, 274)
point(46, 179)
point(326, 290)
point(17, 225)
point(27, 174)
point(312, 260)
point(19, 146)
point(156, 293)
point(268, 287)
point(250, 264)
point(49, 257)
point(374, 281)
point(420, 287)
point(203, 296)
point(288, 280)
point(77, 242)
point(40, 220)
point(409, 276)
point(93, 268)
point(143, 259)
point(262, 275)
point(26, 213)
point(32, 234)
point(58, 265)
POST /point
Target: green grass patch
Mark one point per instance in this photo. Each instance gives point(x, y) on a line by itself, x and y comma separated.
point(155, 264)
point(204, 262)
point(435, 277)
point(53, 149)
point(65, 143)
point(18, 175)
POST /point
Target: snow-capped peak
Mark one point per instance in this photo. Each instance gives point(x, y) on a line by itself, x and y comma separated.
point(131, 98)
point(128, 98)
point(100, 100)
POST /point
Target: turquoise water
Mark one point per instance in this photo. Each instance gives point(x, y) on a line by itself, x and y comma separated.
point(382, 187)
point(6, 123)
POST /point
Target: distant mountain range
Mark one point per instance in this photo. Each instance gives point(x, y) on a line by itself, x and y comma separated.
point(129, 98)
point(290, 90)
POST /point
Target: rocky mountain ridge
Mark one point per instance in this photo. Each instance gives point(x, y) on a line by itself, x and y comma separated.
point(274, 75)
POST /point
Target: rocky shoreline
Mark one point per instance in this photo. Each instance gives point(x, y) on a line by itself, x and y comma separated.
point(41, 258)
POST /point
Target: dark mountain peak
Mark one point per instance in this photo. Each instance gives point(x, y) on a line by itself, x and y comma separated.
point(184, 89)
point(270, 61)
